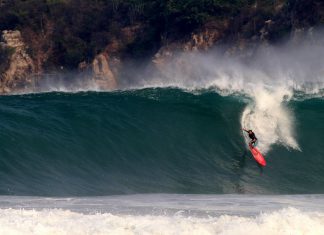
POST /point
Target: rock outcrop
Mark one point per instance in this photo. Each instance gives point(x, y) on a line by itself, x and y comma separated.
point(19, 75)
point(107, 65)
point(103, 74)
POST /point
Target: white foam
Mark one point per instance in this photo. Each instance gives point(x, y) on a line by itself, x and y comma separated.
point(163, 214)
point(268, 117)
point(56, 221)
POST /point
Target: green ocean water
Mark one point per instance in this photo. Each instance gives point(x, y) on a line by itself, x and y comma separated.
point(159, 140)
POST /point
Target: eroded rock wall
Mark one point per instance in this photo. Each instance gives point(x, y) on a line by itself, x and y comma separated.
point(19, 75)
point(202, 40)
point(103, 75)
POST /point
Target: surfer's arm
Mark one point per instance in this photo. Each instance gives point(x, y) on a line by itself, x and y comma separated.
point(244, 130)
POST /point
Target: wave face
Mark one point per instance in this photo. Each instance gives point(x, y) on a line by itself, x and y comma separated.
point(158, 141)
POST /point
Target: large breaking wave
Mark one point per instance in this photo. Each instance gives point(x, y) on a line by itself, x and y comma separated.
point(157, 141)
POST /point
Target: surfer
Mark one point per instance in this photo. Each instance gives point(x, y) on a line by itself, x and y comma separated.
point(252, 137)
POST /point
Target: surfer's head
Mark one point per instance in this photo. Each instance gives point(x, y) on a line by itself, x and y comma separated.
point(250, 131)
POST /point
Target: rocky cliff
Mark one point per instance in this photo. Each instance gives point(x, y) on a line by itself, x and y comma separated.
point(103, 76)
point(201, 40)
point(20, 73)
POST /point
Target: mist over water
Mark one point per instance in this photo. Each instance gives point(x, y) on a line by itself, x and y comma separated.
point(295, 65)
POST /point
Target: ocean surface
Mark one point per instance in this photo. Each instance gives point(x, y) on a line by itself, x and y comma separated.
point(161, 161)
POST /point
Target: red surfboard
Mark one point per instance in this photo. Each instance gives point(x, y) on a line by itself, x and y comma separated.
point(257, 156)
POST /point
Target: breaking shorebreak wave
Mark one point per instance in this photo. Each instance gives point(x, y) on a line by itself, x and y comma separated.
point(159, 140)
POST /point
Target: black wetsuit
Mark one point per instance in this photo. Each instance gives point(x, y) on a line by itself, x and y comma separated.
point(252, 137)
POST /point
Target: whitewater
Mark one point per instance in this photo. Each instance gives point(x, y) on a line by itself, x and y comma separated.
point(163, 214)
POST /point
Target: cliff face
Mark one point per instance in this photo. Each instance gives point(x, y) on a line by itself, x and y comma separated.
point(19, 74)
point(106, 66)
point(104, 77)
point(201, 40)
